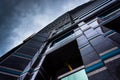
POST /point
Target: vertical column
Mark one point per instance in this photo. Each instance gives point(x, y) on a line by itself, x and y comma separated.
point(91, 44)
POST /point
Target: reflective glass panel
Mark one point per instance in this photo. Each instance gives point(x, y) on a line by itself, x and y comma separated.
point(80, 75)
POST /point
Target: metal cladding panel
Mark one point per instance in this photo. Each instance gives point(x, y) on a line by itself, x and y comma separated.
point(114, 67)
point(82, 40)
point(91, 33)
point(39, 38)
point(7, 77)
point(45, 35)
point(33, 44)
point(102, 44)
point(88, 55)
point(103, 75)
point(27, 50)
point(15, 63)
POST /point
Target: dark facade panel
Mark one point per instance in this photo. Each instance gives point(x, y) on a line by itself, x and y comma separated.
point(90, 33)
point(82, 41)
point(114, 68)
point(88, 55)
point(102, 44)
point(87, 59)
point(27, 50)
point(7, 77)
point(104, 75)
point(15, 63)
point(115, 37)
point(113, 22)
point(33, 44)
point(87, 50)
point(10, 52)
point(39, 38)
point(45, 35)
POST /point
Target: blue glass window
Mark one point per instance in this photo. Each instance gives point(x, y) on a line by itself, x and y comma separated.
point(79, 75)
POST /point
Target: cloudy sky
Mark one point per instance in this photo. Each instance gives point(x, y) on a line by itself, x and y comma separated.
point(21, 18)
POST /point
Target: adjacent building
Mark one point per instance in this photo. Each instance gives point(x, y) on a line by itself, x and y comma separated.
point(82, 44)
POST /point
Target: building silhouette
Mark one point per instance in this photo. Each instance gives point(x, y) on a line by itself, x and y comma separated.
point(82, 44)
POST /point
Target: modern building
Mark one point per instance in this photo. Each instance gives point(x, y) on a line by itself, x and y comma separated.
point(82, 44)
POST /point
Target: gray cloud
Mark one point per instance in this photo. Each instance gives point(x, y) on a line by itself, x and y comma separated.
point(21, 18)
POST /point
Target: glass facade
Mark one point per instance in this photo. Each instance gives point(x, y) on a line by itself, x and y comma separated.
point(82, 44)
point(79, 75)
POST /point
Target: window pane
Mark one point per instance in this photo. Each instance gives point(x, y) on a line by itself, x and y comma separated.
point(91, 33)
point(82, 41)
point(15, 63)
point(60, 29)
point(7, 77)
point(102, 44)
point(80, 75)
point(61, 38)
point(27, 50)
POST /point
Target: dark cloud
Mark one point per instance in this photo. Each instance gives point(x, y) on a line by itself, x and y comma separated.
point(21, 18)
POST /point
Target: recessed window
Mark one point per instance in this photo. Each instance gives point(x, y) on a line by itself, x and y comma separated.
point(61, 38)
point(61, 28)
point(113, 24)
point(109, 11)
